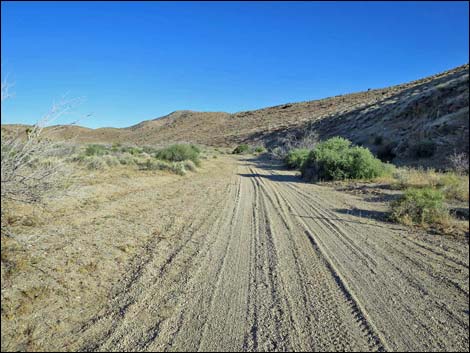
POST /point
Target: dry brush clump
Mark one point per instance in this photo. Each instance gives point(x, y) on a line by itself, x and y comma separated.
point(459, 163)
point(292, 141)
point(32, 168)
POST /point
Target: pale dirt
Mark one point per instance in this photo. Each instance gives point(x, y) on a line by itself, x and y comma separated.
point(246, 257)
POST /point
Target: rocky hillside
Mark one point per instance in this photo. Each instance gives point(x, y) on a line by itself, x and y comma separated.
point(420, 122)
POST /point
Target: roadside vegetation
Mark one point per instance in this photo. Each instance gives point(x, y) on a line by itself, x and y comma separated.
point(426, 194)
point(247, 149)
point(176, 158)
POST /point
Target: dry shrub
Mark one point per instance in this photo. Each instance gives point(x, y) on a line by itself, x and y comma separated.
point(459, 163)
point(292, 141)
point(454, 186)
point(30, 168)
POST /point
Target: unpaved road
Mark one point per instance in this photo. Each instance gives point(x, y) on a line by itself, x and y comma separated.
point(268, 263)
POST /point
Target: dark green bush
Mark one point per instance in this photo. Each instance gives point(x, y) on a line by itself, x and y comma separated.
point(420, 206)
point(179, 152)
point(244, 148)
point(424, 149)
point(259, 149)
point(295, 158)
point(336, 159)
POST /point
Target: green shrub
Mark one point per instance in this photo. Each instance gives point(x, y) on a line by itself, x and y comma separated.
point(244, 148)
point(420, 206)
point(424, 149)
point(178, 153)
point(295, 158)
point(96, 150)
point(259, 149)
point(336, 159)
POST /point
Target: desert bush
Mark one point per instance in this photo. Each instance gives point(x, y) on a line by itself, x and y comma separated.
point(424, 149)
point(30, 168)
point(295, 158)
point(27, 170)
point(293, 141)
point(259, 149)
point(189, 165)
point(111, 160)
point(62, 150)
point(96, 150)
point(336, 159)
point(149, 150)
point(244, 148)
point(420, 206)
point(178, 153)
point(415, 177)
point(127, 159)
point(178, 168)
point(454, 186)
point(132, 150)
point(95, 163)
point(459, 163)
point(155, 164)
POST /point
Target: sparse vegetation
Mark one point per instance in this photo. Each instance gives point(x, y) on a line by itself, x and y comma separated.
point(454, 186)
point(336, 159)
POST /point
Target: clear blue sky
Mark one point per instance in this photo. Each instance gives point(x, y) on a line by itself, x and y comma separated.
point(133, 61)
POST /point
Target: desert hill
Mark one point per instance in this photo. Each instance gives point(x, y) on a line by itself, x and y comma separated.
point(392, 121)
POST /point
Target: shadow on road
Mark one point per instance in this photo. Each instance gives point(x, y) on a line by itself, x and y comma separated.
point(276, 171)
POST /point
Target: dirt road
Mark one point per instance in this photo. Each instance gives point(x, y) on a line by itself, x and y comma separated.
point(263, 262)
point(275, 266)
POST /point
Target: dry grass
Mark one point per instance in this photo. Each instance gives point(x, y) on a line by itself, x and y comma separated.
point(454, 186)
